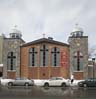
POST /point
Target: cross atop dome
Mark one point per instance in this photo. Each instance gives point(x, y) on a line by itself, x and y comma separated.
point(44, 35)
point(76, 24)
point(15, 26)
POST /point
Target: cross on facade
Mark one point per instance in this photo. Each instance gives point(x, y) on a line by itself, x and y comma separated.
point(55, 55)
point(44, 49)
point(78, 56)
point(55, 51)
point(11, 57)
point(32, 52)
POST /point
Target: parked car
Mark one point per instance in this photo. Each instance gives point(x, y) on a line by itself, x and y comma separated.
point(88, 83)
point(5, 81)
point(21, 82)
point(56, 81)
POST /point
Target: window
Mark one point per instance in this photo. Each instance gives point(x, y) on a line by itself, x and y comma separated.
point(17, 36)
point(58, 78)
point(78, 61)
point(55, 56)
point(53, 78)
point(33, 57)
point(13, 35)
point(44, 55)
point(11, 61)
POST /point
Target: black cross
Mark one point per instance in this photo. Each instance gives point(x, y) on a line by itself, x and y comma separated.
point(55, 55)
point(44, 51)
point(11, 57)
point(33, 52)
point(78, 59)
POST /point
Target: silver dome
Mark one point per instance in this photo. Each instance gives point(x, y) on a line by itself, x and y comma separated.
point(15, 33)
point(77, 31)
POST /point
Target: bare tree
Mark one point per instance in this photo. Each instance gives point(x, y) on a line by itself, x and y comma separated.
point(91, 52)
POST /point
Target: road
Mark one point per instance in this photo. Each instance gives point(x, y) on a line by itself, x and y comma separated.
point(47, 93)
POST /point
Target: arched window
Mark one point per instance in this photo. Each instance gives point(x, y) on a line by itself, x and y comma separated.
point(78, 61)
point(33, 57)
point(44, 55)
point(55, 56)
point(11, 61)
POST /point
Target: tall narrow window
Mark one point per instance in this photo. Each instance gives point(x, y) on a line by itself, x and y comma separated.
point(55, 56)
point(33, 57)
point(78, 61)
point(44, 55)
point(11, 61)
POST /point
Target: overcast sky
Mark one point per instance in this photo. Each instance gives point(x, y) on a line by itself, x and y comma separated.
point(55, 18)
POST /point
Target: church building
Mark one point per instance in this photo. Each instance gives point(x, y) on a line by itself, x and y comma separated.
point(45, 57)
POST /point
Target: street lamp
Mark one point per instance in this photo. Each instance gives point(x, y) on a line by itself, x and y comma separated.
point(93, 60)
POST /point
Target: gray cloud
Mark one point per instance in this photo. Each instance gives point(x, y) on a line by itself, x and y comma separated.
point(56, 18)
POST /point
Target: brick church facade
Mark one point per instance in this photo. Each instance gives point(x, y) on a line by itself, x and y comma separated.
point(44, 58)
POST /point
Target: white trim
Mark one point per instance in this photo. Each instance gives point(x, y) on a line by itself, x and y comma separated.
point(38, 66)
point(33, 66)
point(43, 66)
point(78, 71)
point(90, 65)
point(1, 65)
point(11, 70)
point(56, 66)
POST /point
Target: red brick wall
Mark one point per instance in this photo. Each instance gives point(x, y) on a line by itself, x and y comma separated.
point(43, 72)
point(11, 74)
point(55, 71)
point(33, 72)
point(78, 75)
point(1, 69)
point(24, 62)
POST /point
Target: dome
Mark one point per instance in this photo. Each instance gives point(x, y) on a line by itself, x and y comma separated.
point(77, 29)
point(15, 33)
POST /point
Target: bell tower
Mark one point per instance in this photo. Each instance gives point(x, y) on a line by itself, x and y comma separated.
point(78, 53)
point(11, 54)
